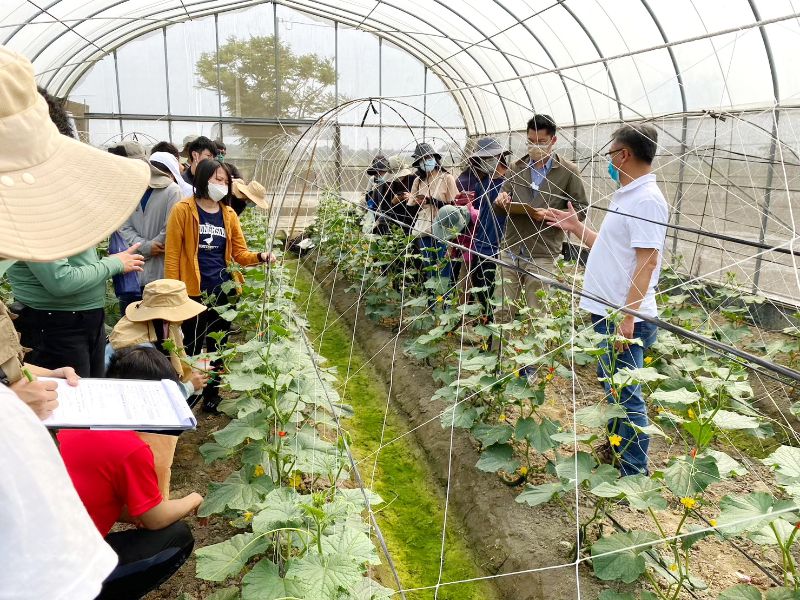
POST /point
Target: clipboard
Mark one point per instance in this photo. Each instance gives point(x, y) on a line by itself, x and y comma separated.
point(520, 208)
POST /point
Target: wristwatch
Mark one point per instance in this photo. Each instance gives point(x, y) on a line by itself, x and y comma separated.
point(4, 378)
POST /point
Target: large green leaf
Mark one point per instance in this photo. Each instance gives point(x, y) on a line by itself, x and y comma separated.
point(740, 592)
point(253, 427)
point(223, 560)
point(480, 362)
point(786, 461)
point(598, 415)
point(750, 512)
point(234, 493)
point(459, 415)
point(488, 435)
point(616, 557)
point(351, 542)
point(212, 451)
point(369, 589)
point(702, 432)
point(497, 457)
point(281, 510)
point(538, 434)
point(776, 533)
point(231, 593)
point(641, 491)
point(628, 376)
point(726, 419)
point(576, 468)
point(782, 594)
point(264, 582)
point(688, 476)
point(679, 397)
point(728, 466)
point(534, 495)
point(245, 381)
point(323, 577)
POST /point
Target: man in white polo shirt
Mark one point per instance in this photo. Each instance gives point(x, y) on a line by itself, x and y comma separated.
point(622, 271)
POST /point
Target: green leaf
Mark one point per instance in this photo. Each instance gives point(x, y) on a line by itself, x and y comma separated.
point(281, 509)
point(740, 592)
point(615, 557)
point(612, 595)
point(351, 542)
point(264, 582)
point(782, 594)
point(750, 512)
point(245, 381)
point(230, 593)
point(235, 493)
point(767, 536)
point(679, 397)
point(497, 457)
point(728, 420)
point(633, 376)
point(688, 477)
point(251, 427)
point(576, 468)
point(786, 461)
point(695, 534)
point(598, 415)
point(728, 466)
point(538, 434)
point(603, 474)
point(642, 492)
point(702, 433)
point(481, 362)
point(212, 451)
point(223, 560)
point(488, 435)
point(323, 576)
point(534, 495)
point(460, 415)
point(369, 589)
point(570, 437)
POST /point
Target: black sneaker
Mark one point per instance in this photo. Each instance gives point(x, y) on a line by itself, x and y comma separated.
point(210, 407)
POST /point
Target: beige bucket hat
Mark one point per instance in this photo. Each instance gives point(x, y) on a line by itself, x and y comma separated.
point(58, 196)
point(251, 191)
point(165, 299)
point(399, 167)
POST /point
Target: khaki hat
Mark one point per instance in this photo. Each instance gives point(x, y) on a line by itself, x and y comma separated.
point(130, 148)
point(58, 196)
point(399, 167)
point(165, 299)
point(251, 191)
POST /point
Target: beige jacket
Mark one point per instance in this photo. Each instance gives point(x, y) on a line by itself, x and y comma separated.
point(562, 182)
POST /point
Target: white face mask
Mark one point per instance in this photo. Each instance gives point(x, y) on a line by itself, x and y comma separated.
point(539, 151)
point(217, 192)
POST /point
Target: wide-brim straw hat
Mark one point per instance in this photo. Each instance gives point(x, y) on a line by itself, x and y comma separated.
point(58, 196)
point(251, 191)
point(165, 299)
point(399, 167)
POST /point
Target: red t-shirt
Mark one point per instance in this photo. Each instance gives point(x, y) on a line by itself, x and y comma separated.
point(110, 470)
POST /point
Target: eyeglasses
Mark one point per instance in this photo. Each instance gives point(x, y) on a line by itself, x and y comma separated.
point(611, 153)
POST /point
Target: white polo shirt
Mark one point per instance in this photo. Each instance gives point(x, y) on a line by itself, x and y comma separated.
point(612, 259)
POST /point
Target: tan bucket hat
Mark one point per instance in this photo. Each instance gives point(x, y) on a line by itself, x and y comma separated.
point(164, 299)
point(252, 191)
point(58, 196)
point(399, 167)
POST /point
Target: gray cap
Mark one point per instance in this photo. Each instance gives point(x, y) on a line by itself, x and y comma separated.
point(487, 147)
point(450, 222)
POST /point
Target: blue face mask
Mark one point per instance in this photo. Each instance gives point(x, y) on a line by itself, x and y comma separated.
point(428, 165)
point(380, 179)
point(613, 172)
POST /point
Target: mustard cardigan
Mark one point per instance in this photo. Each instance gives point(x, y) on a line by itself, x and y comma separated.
point(183, 242)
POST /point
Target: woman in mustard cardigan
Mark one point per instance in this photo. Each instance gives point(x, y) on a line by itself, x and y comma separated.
point(203, 237)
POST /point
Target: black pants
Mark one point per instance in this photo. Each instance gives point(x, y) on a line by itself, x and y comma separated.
point(196, 335)
point(146, 560)
point(64, 339)
point(483, 274)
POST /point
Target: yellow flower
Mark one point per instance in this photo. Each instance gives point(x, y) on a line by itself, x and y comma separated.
point(296, 480)
point(518, 374)
point(615, 440)
point(691, 413)
point(648, 360)
point(689, 502)
point(712, 522)
point(501, 418)
point(440, 298)
point(258, 471)
point(248, 516)
point(673, 567)
point(484, 346)
point(523, 471)
point(549, 377)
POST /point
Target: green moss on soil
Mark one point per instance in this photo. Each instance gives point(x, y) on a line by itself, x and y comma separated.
point(411, 520)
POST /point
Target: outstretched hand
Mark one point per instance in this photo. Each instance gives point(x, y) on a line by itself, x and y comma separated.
point(566, 220)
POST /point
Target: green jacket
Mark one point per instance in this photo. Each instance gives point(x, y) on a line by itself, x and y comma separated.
point(70, 284)
point(563, 181)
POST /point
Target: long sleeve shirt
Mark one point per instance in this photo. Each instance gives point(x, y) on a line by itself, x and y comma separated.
point(70, 284)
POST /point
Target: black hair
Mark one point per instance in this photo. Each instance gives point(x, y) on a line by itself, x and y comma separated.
point(421, 173)
point(542, 122)
point(141, 362)
point(640, 138)
point(118, 151)
point(205, 170)
point(166, 147)
point(220, 146)
point(200, 144)
point(58, 114)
